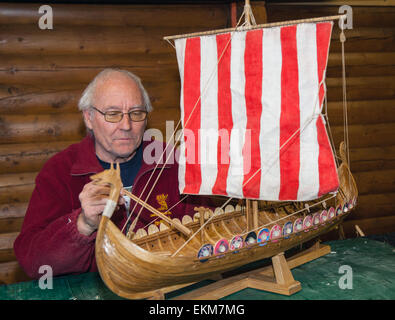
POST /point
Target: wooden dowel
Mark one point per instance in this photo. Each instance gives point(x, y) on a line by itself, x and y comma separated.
point(255, 222)
point(201, 219)
point(249, 216)
point(359, 231)
point(259, 26)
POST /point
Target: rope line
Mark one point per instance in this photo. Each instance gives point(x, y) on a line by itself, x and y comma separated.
point(256, 172)
point(179, 139)
point(301, 129)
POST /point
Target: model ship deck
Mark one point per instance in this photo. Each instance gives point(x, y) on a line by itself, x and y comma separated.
point(230, 223)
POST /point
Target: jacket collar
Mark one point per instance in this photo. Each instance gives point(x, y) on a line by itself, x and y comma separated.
point(86, 161)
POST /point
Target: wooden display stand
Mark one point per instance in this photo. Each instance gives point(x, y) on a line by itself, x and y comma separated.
point(275, 278)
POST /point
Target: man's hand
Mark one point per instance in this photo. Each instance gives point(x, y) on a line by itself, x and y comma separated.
point(93, 199)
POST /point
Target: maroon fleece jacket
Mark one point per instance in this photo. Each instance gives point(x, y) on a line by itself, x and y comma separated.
point(49, 234)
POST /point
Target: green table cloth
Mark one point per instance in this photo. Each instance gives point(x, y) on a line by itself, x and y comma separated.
point(372, 264)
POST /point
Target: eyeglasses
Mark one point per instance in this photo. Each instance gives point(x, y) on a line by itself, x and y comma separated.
point(117, 116)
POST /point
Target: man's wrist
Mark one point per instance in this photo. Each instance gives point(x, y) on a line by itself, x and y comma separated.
point(83, 227)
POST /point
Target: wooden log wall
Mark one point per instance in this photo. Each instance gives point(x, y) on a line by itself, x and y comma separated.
point(370, 70)
point(43, 73)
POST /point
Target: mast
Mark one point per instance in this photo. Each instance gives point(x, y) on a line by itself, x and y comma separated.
point(251, 205)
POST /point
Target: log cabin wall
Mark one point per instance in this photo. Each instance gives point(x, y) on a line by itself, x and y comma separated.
point(43, 73)
point(370, 71)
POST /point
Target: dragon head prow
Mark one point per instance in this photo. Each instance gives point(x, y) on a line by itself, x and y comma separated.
point(110, 177)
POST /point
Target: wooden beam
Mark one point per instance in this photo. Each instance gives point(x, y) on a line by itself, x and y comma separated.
point(362, 112)
point(7, 240)
point(11, 272)
point(363, 16)
point(113, 39)
point(202, 15)
point(367, 3)
point(17, 179)
point(372, 206)
point(28, 157)
point(15, 194)
point(371, 182)
point(371, 226)
point(13, 210)
point(35, 128)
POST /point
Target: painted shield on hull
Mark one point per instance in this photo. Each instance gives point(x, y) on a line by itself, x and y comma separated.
point(205, 251)
point(331, 213)
point(316, 219)
point(221, 246)
point(250, 238)
point(298, 225)
point(324, 216)
point(263, 236)
point(307, 223)
point(236, 243)
point(287, 229)
point(275, 232)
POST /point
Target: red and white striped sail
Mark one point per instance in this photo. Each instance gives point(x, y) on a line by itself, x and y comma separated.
point(251, 106)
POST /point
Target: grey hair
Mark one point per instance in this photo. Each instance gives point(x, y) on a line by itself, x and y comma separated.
point(85, 101)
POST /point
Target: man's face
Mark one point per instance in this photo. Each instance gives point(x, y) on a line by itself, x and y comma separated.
point(116, 141)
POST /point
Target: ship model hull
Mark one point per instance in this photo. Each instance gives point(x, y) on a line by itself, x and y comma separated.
point(138, 268)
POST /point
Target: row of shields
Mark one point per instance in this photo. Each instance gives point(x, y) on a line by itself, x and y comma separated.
point(311, 221)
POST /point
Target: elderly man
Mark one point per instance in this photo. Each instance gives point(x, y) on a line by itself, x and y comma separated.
point(65, 209)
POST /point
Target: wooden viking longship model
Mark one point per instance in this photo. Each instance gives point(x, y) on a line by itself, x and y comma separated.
point(259, 90)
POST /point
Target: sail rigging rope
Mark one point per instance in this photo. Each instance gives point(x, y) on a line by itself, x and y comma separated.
point(329, 129)
point(342, 40)
point(179, 138)
point(345, 111)
point(301, 129)
point(246, 9)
